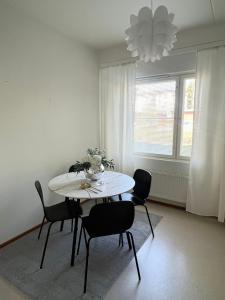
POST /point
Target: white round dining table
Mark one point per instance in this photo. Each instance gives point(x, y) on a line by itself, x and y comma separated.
point(110, 184)
point(69, 186)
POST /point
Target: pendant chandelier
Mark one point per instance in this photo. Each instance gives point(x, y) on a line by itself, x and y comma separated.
point(151, 35)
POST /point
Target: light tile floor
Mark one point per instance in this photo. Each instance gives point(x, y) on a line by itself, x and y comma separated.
point(185, 261)
point(9, 292)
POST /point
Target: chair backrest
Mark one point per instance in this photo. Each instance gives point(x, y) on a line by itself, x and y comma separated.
point(71, 169)
point(143, 180)
point(111, 218)
point(40, 192)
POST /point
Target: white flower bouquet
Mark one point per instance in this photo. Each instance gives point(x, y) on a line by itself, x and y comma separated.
point(94, 163)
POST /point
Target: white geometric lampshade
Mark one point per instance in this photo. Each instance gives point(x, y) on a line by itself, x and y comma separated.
point(151, 36)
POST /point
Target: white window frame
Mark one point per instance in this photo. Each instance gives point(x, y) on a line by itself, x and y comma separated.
point(178, 110)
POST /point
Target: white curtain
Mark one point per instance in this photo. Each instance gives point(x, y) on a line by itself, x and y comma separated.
point(117, 100)
point(206, 195)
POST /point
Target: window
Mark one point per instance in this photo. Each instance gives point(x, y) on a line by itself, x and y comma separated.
point(164, 111)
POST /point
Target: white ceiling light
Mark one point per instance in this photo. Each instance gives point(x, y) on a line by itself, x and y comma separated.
point(151, 36)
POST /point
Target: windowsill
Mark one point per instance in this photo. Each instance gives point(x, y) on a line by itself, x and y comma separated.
point(160, 158)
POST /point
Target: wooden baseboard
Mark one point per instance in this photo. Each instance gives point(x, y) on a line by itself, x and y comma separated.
point(20, 235)
point(27, 231)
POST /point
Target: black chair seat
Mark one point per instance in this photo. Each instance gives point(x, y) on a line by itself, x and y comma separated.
point(63, 211)
point(129, 197)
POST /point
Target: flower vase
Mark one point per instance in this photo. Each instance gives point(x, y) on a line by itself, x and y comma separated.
point(95, 174)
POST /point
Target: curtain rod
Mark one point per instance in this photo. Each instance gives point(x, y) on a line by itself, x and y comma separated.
point(177, 51)
point(119, 62)
point(200, 46)
point(166, 75)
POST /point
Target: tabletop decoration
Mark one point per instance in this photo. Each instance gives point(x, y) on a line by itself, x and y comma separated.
point(85, 185)
point(93, 164)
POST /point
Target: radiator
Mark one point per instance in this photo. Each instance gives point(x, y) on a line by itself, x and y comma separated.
point(169, 187)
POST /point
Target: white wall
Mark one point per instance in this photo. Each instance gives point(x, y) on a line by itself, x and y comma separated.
point(186, 40)
point(181, 63)
point(200, 36)
point(48, 114)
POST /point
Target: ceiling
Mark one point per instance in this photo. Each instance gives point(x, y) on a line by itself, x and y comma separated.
point(101, 23)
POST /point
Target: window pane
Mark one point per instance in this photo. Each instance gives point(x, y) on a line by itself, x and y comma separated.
point(187, 116)
point(154, 117)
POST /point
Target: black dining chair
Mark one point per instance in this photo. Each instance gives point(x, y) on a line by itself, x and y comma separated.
point(141, 190)
point(66, 210)
point(106, 219)
point(62, 222)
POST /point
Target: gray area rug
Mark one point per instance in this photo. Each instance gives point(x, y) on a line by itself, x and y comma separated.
point(19, 262)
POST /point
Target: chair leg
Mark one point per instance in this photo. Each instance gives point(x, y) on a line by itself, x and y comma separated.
point(128, 240)
point(135, 256)
point(74, 241)
point(149, 221)
point(42, 224)
point(46, 242)
point(85, 237)
point(86, 265)
point(71, 225)
point(62, 225)
point(121, 239)
point(78, 247)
